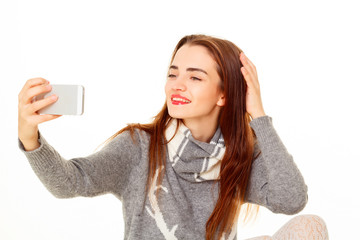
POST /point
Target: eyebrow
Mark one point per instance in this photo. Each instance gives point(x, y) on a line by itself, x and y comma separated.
point(191, 69)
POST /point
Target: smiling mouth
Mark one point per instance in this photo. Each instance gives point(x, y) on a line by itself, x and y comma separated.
point(178, 100)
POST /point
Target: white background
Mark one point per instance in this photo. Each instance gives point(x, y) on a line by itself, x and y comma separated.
point(307, 56)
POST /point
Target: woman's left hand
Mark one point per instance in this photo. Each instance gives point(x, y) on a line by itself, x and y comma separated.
point(253, 98)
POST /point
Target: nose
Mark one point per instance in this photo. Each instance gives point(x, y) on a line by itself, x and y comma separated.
point(179, 84)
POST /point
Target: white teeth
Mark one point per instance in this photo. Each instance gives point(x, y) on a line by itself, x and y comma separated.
point(180, 100)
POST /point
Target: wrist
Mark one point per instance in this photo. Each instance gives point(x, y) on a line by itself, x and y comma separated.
point(29, 138)
point(30, 145)
point(257, 115)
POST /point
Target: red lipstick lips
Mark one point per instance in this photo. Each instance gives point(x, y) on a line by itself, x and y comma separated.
point(177, 99)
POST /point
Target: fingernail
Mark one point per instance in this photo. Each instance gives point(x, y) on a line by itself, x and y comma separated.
point(53, 97)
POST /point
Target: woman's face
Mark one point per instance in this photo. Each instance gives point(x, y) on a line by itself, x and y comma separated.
point(193, 86)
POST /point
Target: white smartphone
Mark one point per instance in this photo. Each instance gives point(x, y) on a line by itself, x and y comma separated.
point(70, 100)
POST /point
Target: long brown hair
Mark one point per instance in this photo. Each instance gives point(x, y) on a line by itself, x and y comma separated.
point(234, 123)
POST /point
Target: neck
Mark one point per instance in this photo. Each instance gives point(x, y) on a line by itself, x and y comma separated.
point(200, 131)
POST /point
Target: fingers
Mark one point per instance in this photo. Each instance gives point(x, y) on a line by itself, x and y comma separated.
point(28, 115)
point(247, 63)
point(47, 117)
point(30, 109)
point(37, 105)
point(249, 70)
point(29, 95)
point(35, 81)
point(28, 118)
point(32, 83)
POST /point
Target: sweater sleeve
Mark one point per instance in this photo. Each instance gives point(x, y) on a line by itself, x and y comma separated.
point(102, 172)
point(275, 183)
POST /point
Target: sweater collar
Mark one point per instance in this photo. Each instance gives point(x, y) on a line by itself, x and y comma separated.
point(191, 159)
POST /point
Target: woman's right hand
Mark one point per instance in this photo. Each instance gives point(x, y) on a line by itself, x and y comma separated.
point(28, 118)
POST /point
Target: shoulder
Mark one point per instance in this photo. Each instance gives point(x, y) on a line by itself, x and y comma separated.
point(129, 140)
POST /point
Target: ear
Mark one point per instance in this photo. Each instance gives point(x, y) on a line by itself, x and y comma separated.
point(221, 101)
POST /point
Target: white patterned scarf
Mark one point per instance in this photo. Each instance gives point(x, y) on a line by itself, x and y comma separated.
point(194, 160)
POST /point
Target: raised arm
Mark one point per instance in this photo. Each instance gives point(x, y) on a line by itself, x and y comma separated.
point(106, 171)
point(275, 182)
point(101, 172)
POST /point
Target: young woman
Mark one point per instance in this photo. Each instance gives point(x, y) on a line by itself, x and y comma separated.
point(210, 155)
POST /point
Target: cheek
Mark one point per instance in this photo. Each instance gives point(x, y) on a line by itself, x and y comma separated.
point(207, 95)
point(167, 87)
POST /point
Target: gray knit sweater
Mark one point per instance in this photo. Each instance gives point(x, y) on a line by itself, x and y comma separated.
point(121, 168)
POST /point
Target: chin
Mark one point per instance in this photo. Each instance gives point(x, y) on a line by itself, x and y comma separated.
point(178, 112)
point(176, 115)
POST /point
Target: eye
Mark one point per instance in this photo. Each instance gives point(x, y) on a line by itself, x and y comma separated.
point(171, 75)
point(195, 78)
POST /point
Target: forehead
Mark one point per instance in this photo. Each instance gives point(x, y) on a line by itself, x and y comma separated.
point(194, 56)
